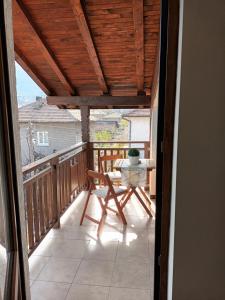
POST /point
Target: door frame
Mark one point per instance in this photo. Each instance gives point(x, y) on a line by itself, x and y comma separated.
point(169, 31)
point(16, 281)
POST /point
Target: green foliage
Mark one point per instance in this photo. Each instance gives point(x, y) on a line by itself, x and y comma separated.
point(133, 152)
point(123, 123)
point(103, 136)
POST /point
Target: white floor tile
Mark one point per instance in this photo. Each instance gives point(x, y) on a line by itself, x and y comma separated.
point(131, 275)
point(65, 248)
point(36, 264)
point(134, 251)
point(60, 270)
point(87, 292)
point(73, 232)
point(95, 272)
point(101, 251)
point(42, 290)
point(129, 294)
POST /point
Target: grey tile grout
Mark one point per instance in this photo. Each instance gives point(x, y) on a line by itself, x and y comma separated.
point(73, 278)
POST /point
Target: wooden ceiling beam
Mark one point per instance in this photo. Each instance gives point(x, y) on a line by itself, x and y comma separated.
point(138, 19)
point(86, 35)
point(100, 101)
point(30, 70)
point(37, 37)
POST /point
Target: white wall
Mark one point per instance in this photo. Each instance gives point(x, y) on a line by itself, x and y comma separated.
point(198, 206)
point(139, 128)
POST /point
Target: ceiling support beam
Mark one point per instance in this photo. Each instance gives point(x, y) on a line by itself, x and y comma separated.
point(36, 36)
point(100, 101)
point(30, 70)
point(86, 35)
point(138, 19)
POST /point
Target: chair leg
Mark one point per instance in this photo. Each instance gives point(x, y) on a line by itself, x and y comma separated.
point(123, 197)
point(101, 204)
point(85, 207)
point(104, 214)
point(120, 211)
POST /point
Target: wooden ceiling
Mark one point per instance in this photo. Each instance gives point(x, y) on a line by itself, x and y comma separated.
point(88, 48)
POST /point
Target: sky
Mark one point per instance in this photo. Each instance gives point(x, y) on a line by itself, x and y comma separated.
point(27, 89)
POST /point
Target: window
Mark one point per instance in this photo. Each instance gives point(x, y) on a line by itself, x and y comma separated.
point(42, 138)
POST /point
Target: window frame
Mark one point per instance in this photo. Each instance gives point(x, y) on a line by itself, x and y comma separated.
point(42, 136)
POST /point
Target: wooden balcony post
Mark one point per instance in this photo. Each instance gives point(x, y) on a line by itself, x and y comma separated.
point(146, 149)
point(55, 191)
point(85, 115)
point(147, 155)
point(85, 131)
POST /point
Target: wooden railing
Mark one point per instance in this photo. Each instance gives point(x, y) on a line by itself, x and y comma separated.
point(113, 148)
point(50, 185)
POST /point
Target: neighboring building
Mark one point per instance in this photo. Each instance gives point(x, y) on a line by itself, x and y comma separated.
point(139, 124)
point(45, 129)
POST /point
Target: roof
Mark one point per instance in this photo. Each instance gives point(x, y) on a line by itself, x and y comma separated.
point(40, 112)
point(138, 113)
point(89, 47)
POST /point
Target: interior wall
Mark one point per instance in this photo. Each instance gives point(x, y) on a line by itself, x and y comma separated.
point(197, 262)
point(153, 141)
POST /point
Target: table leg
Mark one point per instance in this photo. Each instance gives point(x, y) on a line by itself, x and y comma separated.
point(142, 202)
point(127, 198)
point(144, 195)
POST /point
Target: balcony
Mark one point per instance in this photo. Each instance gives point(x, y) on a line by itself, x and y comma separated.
point(67, 259)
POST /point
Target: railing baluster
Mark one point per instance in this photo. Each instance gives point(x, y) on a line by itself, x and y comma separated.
point(30, 224)
point(98, 161)
point(49, 202)
point(111, 153)
point(41, 211)
point(46, 203)
point(35, 212)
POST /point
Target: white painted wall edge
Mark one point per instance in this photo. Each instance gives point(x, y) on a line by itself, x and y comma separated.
point(174, 164)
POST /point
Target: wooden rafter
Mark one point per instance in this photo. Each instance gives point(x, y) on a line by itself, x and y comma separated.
point(30, 70)
point(138, 18)
point(36, 36)
point(100, 101)
point(86, 35)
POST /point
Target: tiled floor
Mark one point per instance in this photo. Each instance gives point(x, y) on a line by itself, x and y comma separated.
point(73, 264)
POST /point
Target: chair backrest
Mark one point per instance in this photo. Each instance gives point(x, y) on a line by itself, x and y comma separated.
point(104, 178)
point(103, 161)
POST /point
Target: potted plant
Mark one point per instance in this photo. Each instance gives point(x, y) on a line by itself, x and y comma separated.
point(133, 155)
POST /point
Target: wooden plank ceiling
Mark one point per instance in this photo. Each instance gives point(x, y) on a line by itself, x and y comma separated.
point(88, 48)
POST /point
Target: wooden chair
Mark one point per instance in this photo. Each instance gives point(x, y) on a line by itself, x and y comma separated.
point(115, 176)
point(104, 194)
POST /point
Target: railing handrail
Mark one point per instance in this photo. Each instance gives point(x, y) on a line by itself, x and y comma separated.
point(120, 142)
point(43, 161)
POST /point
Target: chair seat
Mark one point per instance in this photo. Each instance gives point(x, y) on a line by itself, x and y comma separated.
point(102, 192)
point(116, 175)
